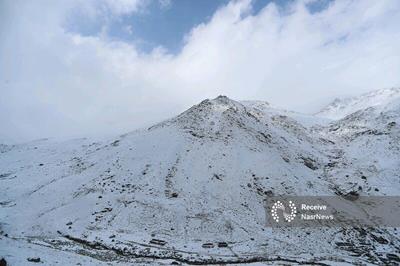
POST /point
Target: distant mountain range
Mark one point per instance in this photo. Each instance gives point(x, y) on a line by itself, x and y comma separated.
point(340, 108)
point(191, 189)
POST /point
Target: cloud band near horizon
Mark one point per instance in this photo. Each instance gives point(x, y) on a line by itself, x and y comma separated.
point(58, 83)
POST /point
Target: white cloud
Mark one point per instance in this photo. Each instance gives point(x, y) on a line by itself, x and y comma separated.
point(54, 83)
point(113, 8)
point(120, 7)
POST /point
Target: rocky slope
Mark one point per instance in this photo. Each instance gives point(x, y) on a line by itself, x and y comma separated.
point(191, 189)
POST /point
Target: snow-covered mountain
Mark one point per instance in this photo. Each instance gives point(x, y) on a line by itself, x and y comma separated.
point(340, 108)
point(191, 189)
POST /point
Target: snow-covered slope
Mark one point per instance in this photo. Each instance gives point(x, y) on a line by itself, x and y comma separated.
point(191, 189)
point(340, 108)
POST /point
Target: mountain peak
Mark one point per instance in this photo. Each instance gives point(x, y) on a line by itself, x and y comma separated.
point(222, 98)
point(220, 118)
point(219, 104)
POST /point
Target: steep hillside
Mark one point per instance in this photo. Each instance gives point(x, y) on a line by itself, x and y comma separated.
point(369, 139)
point(191, 189)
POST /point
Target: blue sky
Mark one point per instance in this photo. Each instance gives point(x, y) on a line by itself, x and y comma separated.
point(84, 67)
point(165, 26)
point(164, 23)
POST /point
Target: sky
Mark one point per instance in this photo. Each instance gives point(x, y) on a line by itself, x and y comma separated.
point(72, 68)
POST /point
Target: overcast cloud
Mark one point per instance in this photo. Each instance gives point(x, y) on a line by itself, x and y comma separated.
point(56, 83)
